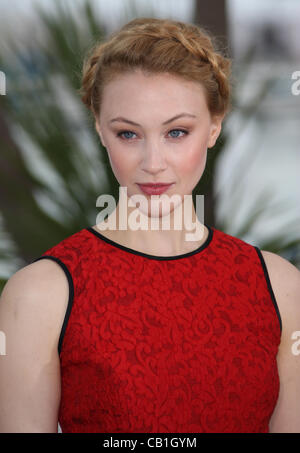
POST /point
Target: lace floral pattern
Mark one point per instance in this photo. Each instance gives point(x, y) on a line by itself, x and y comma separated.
point(155, 346)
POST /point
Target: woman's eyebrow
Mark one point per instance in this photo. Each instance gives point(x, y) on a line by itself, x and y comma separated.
point(125, 120)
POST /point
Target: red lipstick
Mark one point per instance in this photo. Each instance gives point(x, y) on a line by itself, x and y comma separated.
point(155, 189)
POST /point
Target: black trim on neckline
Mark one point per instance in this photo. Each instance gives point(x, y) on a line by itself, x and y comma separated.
point(154, 257)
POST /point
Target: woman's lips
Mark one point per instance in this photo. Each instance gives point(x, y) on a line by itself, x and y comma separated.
point(154, 189)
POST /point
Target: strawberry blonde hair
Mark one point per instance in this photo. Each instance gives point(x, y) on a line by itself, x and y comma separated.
point(159, 46)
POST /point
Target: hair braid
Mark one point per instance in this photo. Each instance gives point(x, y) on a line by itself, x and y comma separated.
point(158, 46)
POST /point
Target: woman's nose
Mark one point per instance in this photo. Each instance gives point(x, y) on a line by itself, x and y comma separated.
point(153, 158)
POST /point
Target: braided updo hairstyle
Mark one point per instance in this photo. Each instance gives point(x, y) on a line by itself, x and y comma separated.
point(159, 46)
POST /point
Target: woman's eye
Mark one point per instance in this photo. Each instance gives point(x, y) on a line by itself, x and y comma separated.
point(125, 134)
point(120, 134)
point(178, 130)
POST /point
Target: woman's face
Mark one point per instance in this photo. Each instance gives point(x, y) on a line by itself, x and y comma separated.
point(156, 149)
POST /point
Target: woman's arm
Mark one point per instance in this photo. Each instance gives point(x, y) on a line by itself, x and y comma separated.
point(32, 309)
point(285, 282)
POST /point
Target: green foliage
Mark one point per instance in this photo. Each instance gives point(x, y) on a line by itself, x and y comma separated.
point(49, 176)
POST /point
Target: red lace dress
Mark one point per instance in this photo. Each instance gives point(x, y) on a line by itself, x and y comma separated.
point(150, 344)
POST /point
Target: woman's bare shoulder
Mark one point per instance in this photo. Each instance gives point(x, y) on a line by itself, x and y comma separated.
point(37, 293)
point(32, 308)
point(41, 279)
point(43, 269)
point(285, 281)
point(284, 277)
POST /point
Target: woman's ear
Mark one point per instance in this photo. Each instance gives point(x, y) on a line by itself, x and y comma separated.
point(215, 130)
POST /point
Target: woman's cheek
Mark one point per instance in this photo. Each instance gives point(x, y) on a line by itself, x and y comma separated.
point(115, 159)
point(194, 161)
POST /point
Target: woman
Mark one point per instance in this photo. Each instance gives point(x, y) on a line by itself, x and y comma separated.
point(131, 329)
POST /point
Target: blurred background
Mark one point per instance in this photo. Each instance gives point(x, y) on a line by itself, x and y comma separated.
point(52, 165)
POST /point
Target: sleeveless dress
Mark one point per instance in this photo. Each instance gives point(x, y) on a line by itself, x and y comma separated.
point(179, 344)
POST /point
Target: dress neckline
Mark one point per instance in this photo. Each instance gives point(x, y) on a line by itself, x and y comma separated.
point(154, 257)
